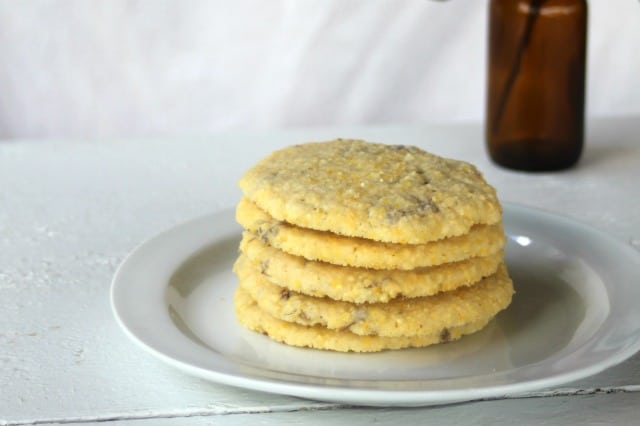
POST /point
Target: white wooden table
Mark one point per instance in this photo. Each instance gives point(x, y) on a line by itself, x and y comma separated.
point(71, 210)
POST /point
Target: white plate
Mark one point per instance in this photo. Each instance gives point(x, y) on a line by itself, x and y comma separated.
point(574, 314)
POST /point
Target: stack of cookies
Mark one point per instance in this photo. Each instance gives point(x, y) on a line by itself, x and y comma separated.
point(356, 246)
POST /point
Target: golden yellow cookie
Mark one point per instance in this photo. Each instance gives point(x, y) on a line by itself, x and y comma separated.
point(400, 317)
point(360, 285)
point(482, 240)
point(250, 315)
point(391, 193)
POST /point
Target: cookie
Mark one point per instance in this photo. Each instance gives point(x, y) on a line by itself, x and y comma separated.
point(253, 318)
point(357, 246)
point(390, 193)
point(482, 240)
point(397, 318)
point(362, 285)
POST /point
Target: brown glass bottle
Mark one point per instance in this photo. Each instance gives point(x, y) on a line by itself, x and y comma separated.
point(536, 83)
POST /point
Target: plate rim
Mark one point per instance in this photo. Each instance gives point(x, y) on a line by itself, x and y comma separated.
point(359, 396)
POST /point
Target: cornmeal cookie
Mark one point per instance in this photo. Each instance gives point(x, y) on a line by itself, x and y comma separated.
point(360, 285)
point(391, 193)
point(482, 240)
point(356, 246)
point(252, 317)
point(400, 317)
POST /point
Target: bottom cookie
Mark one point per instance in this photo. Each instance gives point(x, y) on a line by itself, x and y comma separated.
point(252, 317)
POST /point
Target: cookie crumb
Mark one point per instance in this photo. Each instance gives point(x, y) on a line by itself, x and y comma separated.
point(285, 294)
point(445, 335)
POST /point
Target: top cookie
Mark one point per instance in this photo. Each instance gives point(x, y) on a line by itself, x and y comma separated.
point(390, 193)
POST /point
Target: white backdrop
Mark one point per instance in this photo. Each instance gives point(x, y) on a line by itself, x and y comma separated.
point(159, 67)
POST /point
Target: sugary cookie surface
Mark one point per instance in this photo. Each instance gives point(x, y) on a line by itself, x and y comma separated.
point(391, 193)
point(362, 285)
point(252, 317)
point(481, 240)
point(399, 318)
